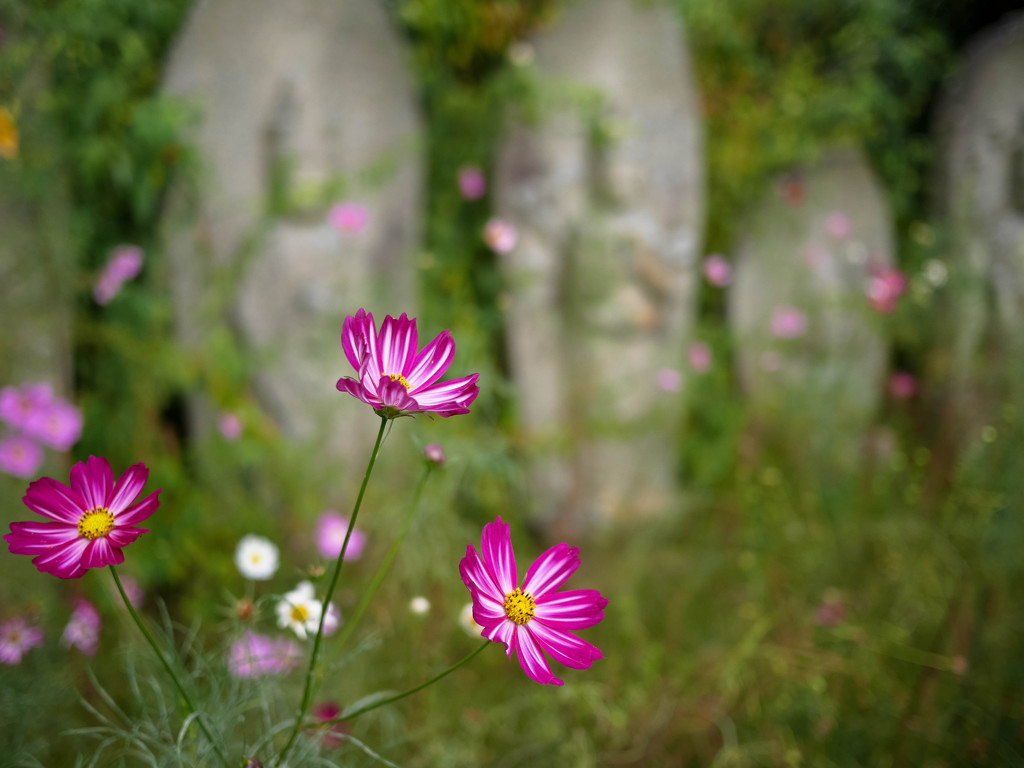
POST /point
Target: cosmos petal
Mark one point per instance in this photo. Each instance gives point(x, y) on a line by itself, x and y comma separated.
point(572, 609)
point(532, 660)
point(499, 559)
point(504, 632)
point(551, 570)
point(563, 647)
point(397, 344)
point(139, 512)
point(430, 364)
point(128, 488)
point(55, 500)
point(462, 391)
point(93, 480)
point(121, 537)
point(353, 339)
point(36, 538)
point(477, 577)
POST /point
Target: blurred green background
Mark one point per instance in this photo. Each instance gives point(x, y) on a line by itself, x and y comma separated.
point(783, 613)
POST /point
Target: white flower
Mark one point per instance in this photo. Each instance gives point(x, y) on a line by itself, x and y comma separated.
point(419, 605)
point(256, 557)
point(299, 610)
point(469, 626)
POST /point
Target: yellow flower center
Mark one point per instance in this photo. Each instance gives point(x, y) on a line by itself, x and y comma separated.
point(400, 379)
point(519, 606)
point(95, 523)
point(300, 613)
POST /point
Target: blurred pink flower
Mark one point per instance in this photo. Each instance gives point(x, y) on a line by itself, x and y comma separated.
point(700, 357)
point(902, 385)
point(500, 236)
point(83, 629)
point(331, 735)
point(884, 288)
point(830, 613)
point(348, 218)
point(534, 618)
point(125, 262)
point(330, 535)
point(669, 380)
point(19, 404)
point(18, 637)
point(20, 456)
point(395, 379)
point(434, 453)
point(472, 182)
point(230, 426)
point(838, 225)
point(788, 322)
point(255, 655)
point(136, 596)
point(58, 425)
point(717, 270)
point(333, 618)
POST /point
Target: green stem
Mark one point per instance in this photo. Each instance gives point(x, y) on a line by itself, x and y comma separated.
point(385, 566)
point(410, 692)
point(167, 666)
point(307, 693)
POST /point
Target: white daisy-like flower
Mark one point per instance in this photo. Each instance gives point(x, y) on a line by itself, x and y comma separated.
point(256, 557)
point(299, 610)
point(419, 605)
point(469, 626)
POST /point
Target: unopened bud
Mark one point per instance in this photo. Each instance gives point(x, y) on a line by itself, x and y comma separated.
point(245, 609)
point(434, 453)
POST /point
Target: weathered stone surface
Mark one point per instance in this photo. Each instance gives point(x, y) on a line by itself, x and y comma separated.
point(980, 137)
point(812, 254)
point(607, 192)
point(306, 103)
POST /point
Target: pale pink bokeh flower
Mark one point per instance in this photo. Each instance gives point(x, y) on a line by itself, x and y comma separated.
point(348, 218)
point(434, 453)
point(535, 618)
point(330, 535)
point(125, 263)
point(332, 620)
point(255, 655)
point(669, 380)
point(83, 629)
point(18, 405)
point(902, 385)
point(20, 456)
point(472, 182)
point(58, 425)
point(230, 426)
point(18, 637)
point(788, 322)
point(135, 593)
point(884, 288)
point(838, 225)
point(700, 357)
point(717, 270)
point(500, 236)
point(393, 377)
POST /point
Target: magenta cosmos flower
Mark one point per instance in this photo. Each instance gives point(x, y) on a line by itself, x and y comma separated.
point(396, 379)
point(87, 524)
point(532, 619)
point(18, 637)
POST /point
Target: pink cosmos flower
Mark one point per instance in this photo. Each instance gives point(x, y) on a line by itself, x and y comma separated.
point(125, 263)
point(58, 425)
point(472, 182)
point(19, 404)
point(788, 322)
point(535, 618)
point(18, 637)
point(394, 378)
point(330, 535)
point(500, 236)
point(83, 629)
point(256, 655)
point(331, 734)
point(717, 270)
point(434, 453)
point(349, 218)
point(902, 385)
point(87, 524)
point(838, 225)
point(669, 380)
point(884, 288)
point(230, 426)
point(20, 456)
point(700, 357)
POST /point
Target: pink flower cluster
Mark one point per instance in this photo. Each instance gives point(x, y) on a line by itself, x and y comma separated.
point(39, 418)
point(125, 262)
point(884, 288)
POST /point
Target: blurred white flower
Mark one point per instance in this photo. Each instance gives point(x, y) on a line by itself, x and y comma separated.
point(469, 626)
point(299, 610)
point(419, 605)
point(256, 557)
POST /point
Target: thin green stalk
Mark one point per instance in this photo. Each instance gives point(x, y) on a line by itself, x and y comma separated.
point(391, 699)
point(385, 566)
point(307, 693)
point(167, 666)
